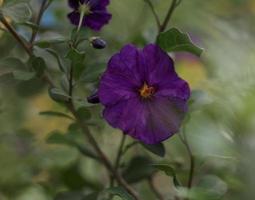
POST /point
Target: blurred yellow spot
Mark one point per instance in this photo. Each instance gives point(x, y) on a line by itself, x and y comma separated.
point(42, 125)
point(193, 72)
point(1, 2)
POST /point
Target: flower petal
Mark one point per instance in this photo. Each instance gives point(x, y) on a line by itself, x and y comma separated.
point(161, 74)
point(119, 82)
point(97, 20)
point(74, 17)
point(151, 121)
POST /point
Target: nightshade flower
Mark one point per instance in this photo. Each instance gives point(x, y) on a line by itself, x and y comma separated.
point(142, 94)
point(90, 13)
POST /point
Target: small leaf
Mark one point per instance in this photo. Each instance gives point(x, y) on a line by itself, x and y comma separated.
point(59, 61)
point(84, 113)
point(38, 65)
point(58, 95)
point(138, 169)
point(28, 24)
point(23, 75)
point(169, 171)
point(58, 138)
point(77, 62)
point(46, 43)
point(17, 11)
point(157, 149)
point(119, 191)
point(174, 40)
point(55, 114)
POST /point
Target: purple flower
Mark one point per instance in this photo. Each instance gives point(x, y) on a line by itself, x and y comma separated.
point(91, 13)
point(142, 94)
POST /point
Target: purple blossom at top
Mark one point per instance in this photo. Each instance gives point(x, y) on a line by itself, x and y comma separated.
point(93, 13)
point(142, 94)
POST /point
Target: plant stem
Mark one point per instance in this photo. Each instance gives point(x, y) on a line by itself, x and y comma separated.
point(45, 4)
point(154, 13)
point(15, 35)
point(118, 158)
point(192, 159)
point(83, 126)
point(169, 14)
point(120, 151)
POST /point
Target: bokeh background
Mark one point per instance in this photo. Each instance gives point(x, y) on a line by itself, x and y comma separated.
point(220, 130)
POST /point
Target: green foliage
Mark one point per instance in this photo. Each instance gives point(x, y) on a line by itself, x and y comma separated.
point(119, 191)
point(139, 168)
point(18, 11)
point(56, 114)
point(157, 149)
point(173, 41)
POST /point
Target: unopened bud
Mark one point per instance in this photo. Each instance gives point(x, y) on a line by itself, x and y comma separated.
point(94, 98)
point(97, 42)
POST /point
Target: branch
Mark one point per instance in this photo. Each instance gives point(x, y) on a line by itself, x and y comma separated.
point(192, 159)
point(170, 12)
point(154, 13)
point(15, 35)
point(45, 4)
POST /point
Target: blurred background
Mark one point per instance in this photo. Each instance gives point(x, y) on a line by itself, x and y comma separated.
point(220, 130)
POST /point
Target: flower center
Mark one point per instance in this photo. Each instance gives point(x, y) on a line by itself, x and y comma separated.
point(84, 9)
point(146, 91)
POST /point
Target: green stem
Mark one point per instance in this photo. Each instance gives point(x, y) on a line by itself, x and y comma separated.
point(45, 4)
point(15, 35)
point(169, 14)
point(154, 13)
point(192, 159)
point(82, 14)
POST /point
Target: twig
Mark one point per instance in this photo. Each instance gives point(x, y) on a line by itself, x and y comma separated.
point(154, 13)
point(15, 35)
point(192, 159)
point(118, 158)
point(45, 4)
point(169, 14)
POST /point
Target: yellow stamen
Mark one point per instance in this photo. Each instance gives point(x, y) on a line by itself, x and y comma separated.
point(146, 91)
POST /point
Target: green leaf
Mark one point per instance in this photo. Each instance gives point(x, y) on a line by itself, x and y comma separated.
point(77, 62)
point(68, 139)
point(157, 149)
point(119, 191)
point(46, 43)
point(8, 65)
point(28, 24)
point(169, 171)
point(84, 113)
point(59, 60)
point(18, 11)
point(38, 65)
point(58, 138)
point(138, 169)
point(55, 114)
point(23, 75)
point(173, 40)
point(58, 95)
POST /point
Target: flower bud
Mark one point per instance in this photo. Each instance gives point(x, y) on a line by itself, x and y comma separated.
point(97, 43)
point(93, 99)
